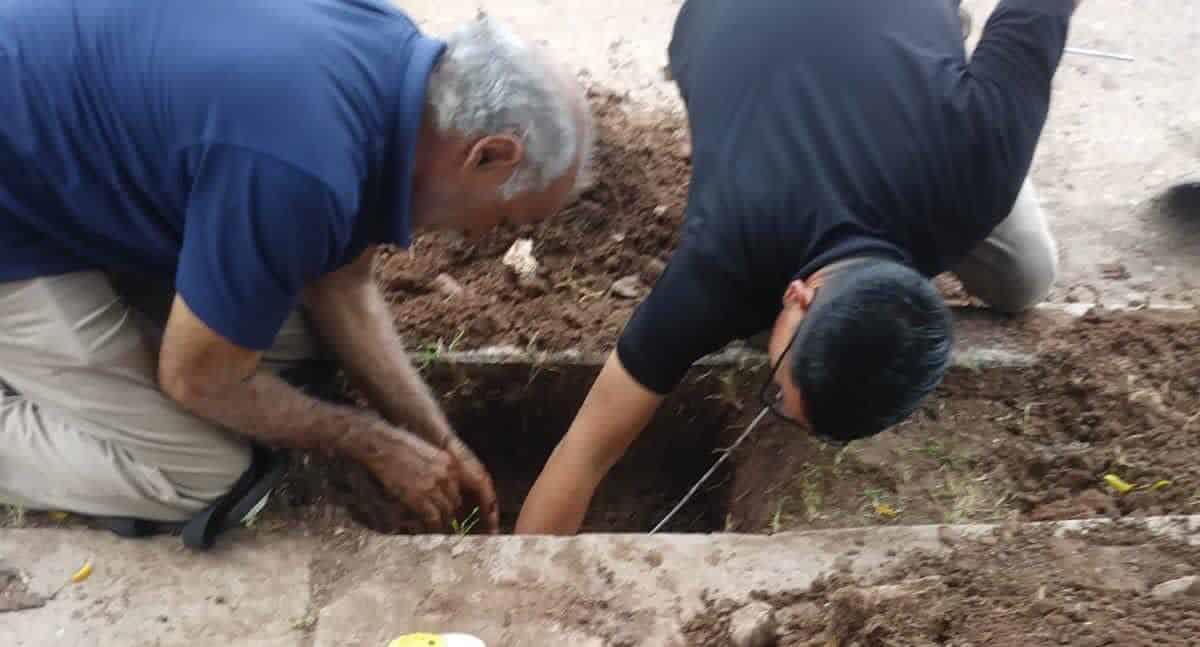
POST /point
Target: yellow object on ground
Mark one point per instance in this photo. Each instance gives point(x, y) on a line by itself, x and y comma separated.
point(436, 640)
point(1117, 484)
point(83, 573)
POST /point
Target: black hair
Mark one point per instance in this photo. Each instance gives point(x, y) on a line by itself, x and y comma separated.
point(875, 342)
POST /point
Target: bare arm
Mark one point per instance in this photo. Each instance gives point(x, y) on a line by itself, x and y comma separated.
point(616, 410)
point(218, 381)
point(354, 319)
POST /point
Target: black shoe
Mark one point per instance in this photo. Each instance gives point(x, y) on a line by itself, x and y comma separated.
point(267, 469)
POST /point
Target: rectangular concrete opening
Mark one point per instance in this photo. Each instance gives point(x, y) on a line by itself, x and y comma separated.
point(513, 413)
point(999, 440)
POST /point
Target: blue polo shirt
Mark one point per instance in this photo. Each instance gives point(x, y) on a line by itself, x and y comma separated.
point(244, 147)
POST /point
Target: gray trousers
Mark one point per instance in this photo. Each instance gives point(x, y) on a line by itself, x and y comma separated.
point(1013, 269)
point(83, 425)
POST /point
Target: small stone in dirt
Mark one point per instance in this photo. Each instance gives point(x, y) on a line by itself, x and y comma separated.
point(660, 210)
point(753, 625)
point(402, 281)
point(629, 287)
point(684, 151)
point(1179, 587)
point(653, 269)
point(520, 258)
point(1114, 271)
point(445, 284)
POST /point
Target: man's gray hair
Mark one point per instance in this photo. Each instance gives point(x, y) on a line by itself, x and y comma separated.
point(489, 82)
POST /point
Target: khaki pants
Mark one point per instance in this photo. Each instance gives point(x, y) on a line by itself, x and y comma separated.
point(84, 427)
point(1012, 270)
point(1015, 267)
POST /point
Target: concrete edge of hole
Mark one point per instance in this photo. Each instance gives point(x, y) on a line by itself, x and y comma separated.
point(983, 356)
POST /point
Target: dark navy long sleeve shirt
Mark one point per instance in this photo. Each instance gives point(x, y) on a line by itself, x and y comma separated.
point(824, 129)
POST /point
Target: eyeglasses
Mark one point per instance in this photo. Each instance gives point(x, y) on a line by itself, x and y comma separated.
point(771, 396)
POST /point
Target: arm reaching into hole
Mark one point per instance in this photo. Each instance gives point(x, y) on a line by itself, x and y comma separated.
point(693, 310)
point(616, 410)
point(354, 319)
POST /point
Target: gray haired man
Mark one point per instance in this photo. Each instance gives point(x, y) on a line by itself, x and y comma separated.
point(252, 157)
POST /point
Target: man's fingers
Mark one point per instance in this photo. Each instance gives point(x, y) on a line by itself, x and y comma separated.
point(485, 492)
point(449, 512)
point(432, 516)
point(453, 492)
point(480, 485)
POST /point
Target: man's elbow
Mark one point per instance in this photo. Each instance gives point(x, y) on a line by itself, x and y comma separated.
point(185, 388)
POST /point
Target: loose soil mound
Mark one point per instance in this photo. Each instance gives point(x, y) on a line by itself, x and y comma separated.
point(1112, 394)
point(624, 225)
point(1016, 587)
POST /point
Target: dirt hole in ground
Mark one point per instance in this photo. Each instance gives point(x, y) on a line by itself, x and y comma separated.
point(512, 416)
point(1115, 395)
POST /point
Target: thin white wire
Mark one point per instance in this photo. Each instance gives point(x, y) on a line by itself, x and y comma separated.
point(1097, 54)
point(724, 454)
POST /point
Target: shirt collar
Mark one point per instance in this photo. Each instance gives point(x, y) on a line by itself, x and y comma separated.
point(422, 55)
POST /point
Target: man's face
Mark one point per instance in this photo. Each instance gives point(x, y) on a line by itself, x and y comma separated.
point(788, 400)
point(486, 208)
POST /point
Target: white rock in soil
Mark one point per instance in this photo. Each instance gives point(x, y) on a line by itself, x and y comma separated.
point(753, 626)
point(629, 287)
point(520, 258)
point(1179, 587)
point(445, 284)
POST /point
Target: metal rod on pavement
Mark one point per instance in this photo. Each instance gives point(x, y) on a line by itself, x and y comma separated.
point(724, 454)
point(1097, 54)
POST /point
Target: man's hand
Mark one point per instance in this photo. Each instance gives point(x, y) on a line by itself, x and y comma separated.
point(477, 481)
point(218, 381)
point(616, 410)
point(419, 475)
point(354, 319)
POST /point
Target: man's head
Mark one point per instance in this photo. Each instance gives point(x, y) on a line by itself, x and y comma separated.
point(507, 134)
point(858, 346)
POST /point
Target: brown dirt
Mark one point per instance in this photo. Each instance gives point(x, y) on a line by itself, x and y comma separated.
point(1113, 394)
point(1015, 587)
point(624, 225)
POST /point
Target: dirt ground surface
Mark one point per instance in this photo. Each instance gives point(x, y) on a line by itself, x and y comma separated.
point(1014, 587)
point(1112, 394)
point(623, 228)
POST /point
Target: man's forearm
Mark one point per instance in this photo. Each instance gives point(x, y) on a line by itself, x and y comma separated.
point(271, 411)
point(354, 319)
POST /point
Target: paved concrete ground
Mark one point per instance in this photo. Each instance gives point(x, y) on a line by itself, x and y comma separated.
point(1119, 132)
point(277, 590)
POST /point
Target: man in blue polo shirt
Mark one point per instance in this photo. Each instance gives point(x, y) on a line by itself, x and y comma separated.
point(252, 156)
point(844, 153)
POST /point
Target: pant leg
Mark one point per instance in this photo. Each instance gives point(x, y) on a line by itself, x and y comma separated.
point(89, 430)
point(1015, 267)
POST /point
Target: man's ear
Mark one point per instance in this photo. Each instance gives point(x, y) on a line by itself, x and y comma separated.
point(798, 293)
point(495, 152)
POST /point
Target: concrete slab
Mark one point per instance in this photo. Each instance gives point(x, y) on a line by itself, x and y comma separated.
point(596, 590)
point(253, 592)
point(1119, 134)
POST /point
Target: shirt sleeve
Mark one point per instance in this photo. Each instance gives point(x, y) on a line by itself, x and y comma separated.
point(692, 311)
point(1012, 69)
point(257, 231)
